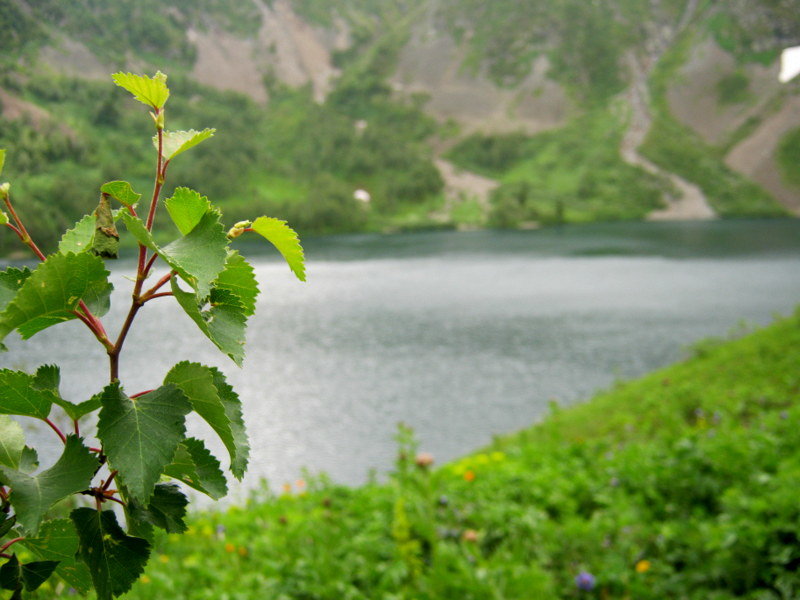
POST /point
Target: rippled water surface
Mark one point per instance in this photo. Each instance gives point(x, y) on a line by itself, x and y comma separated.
point(461, 335)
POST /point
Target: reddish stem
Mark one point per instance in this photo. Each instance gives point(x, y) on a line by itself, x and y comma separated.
point(161, 295)
point(56, 429)
point(111, 477)
point(24, 235)
point(141, 394)
point(15, 230)
point(151, 293)
point(160, 173)
point(76, 427)
point(92, 322)
point(149, 264)
point(10, 543)
point(143, 267)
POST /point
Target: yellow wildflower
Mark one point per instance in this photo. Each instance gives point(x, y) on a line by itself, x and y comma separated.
point(643, 566)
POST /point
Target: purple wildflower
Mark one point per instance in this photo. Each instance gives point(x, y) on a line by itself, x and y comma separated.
point(585, 581)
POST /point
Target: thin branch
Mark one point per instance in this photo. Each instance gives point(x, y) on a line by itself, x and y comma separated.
point(111, 477)
point(56, 429)
point(160, 172)
point(151, 293)
point(92, 322)
point(24, 235)
point(15, 230)
point(161, 295)
point(10, 543)
point(140, 394)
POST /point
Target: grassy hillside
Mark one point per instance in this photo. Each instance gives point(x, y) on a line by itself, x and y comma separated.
point(682, 484)
point(574, 174)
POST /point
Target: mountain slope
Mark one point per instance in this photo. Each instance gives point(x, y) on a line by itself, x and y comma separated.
point(578, 111)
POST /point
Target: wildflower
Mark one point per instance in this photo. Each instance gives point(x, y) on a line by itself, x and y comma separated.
point(242, 551)
point(424, 460)
point(145, 579)
point(643, 566)
point(287, 488)
point(444, 500)
point(585, 581)
point(469, 475)
point(230, 548)
point(163, 558)
point(470, 535)
point(220, 530)
point(300, 484)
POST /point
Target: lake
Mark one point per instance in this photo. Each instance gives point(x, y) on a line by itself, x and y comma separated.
point(460, 335)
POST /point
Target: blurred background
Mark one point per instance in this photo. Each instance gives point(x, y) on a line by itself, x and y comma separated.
point(397, 115)
point(532, 200)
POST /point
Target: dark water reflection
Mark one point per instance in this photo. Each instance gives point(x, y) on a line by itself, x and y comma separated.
point(461, 335)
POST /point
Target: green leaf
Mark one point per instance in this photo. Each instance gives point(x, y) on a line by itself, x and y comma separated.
point(284, 238)
point(12, 442)
point(50, 294)
point(48, 377)
point(19, 395)
point(121, 191)
point(29, 461)
point(175, 142)
point(239, 279)
point(11, 574)
point(195, 466)
point(198, 257)
point(10, 281)
point(140, 435)
point(76, 411)
point(34, 574)
point(166, 510)
point(57, 540)
point(115, 560)
point(32, 496)
point(203, 387)
point(2, 159)
point(106, 238)
point(233, 408)
point(223, 322)
point(79, 238)
point(152, 91)
point(186, 207)
point(6, 524)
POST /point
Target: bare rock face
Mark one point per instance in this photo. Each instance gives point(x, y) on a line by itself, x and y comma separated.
point(432, 64)
point(695, 98)
point(286, 48)
point(755, 155)
point(227, 62)
point(70, 57)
